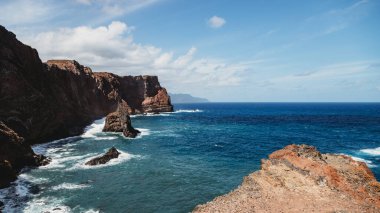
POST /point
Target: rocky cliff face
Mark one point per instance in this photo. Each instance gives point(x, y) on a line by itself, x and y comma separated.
point(46, 101)
point(14, 155)
point(301, 179)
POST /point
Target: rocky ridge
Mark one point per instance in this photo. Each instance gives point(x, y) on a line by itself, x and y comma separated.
point(41, 102)
point(298, 178)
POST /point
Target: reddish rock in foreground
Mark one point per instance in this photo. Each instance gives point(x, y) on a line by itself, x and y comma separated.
point(298, 178)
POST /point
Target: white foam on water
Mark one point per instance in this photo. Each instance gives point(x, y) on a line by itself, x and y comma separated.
point(143, 132)
point(375, 151)
point(92, 211)
point(69, 186)
point(93, 129)
point(59, 161)
point(22, 190)
point(46, 204)
point(151, 114)
point(43, 148)
point(187, 111)
point(124, 156)
point(105, 138)
point(368, 162)
point(32, 179)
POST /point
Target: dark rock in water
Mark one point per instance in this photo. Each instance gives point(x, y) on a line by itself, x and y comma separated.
point(120, 121)
point(110, 154)
point(1, 205)
point(128, 130)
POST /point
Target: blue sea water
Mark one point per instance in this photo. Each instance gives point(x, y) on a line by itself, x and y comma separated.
point(188, 157)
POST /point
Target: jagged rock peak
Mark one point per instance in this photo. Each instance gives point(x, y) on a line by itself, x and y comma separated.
point(120, 121)
point(70, 65)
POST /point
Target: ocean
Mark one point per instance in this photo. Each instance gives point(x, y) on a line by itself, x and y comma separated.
point(187, 157)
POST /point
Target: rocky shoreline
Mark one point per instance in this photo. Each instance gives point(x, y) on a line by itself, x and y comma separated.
point(41, 102)
point(298, 178)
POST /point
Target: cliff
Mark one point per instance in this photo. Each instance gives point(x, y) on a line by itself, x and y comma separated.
point(46, 101)
point(301, 179)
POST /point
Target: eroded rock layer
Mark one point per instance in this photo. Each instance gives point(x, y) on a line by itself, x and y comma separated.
point(298, 178)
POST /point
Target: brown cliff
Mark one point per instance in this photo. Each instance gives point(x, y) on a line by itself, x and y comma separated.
point(45, 101)
point(301, 179)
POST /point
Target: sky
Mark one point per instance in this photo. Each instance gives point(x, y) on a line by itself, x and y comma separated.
point(223, 50)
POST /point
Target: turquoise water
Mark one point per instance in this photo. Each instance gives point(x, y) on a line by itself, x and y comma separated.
point(188, 157)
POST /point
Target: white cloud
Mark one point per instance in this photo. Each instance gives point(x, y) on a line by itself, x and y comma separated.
point(87, 2)
point(112, 48)
point(216, 22)
point(116, 8)
point(24, 12)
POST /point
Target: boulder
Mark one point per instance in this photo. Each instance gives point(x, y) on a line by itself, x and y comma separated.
point(110, 154)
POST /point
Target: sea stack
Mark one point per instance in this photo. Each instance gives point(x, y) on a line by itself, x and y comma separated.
point(120, 121)
point(298, 178)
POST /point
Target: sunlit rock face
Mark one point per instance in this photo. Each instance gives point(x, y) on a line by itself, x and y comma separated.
point(298, 178)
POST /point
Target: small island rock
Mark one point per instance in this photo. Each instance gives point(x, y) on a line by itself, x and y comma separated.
point(110, 154)
point(120, 121)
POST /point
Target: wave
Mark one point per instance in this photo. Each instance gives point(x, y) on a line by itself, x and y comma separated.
point(32, 179)
point(94, 128)
point(69, 186)
point(61, 143)
point(143, 132)
point(151, 114)
point(15, 196)
point(375, 151)
point(46, 204)
point(187, 111)
point(59, 160)
point(106, 138)
point(368, 162)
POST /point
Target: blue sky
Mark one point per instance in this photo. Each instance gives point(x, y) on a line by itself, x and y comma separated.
point(223, 50)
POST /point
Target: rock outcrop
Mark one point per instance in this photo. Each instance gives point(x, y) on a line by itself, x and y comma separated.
point(120, 121)
point(298, 178)
point(109, 155)
point(14, 155)
point(45, 101)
